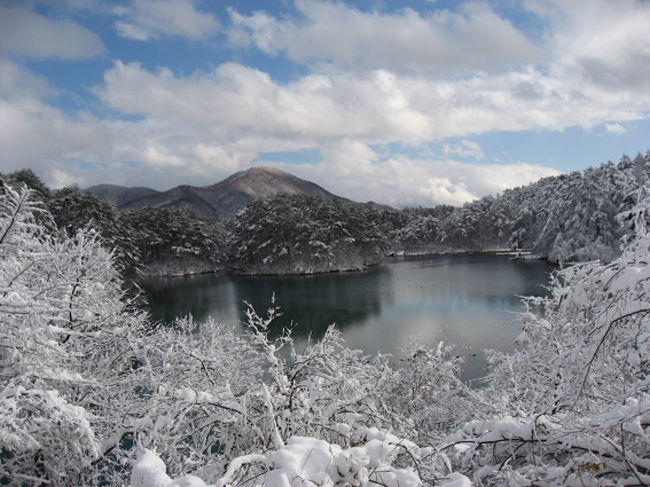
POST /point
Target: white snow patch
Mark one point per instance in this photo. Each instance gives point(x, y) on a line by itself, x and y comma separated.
point(456, 480)
point(150, 471)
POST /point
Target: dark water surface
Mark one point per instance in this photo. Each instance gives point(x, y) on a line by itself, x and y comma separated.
point(469, 301)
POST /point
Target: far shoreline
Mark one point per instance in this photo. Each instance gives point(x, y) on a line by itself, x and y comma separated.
point(392, 256)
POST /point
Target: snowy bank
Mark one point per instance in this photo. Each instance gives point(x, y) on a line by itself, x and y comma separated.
point(303, 461)
point(183, 266)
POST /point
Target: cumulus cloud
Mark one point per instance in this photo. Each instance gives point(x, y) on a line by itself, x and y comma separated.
point(88, 150)
point(443, 42)
point(209, 124)
point(63, 148)
point(143, 20)
point(602, 43)
point(356, 171)
point(168, 128)
point(594, 47)
point(233, 101)
point(24, 32)
point(35, 134)
point(16, 82)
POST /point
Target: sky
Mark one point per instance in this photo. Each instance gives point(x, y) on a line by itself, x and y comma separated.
point(400, 102)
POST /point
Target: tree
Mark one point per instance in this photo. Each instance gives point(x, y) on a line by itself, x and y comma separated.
point(421, 230)
point(83, 375)
point(571, 406)
point(168, 238)
point(28, 178)
point(305, 234)
point(230, 407)
point(74, 209)
point(67, 355)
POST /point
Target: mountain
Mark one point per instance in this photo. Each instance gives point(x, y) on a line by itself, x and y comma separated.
point(120, 195)
point(221, 200)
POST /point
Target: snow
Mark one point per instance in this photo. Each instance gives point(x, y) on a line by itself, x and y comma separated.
point(571, 407)
point(456, 480)
point(303, 461)
point(150, 471)
point(629, 277)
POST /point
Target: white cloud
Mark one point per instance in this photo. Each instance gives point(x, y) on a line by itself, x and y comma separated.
point(465, 149)
point(81, 148)
point(200, 128)
point(61, 178)
point(601, 42)
point(27, 33)
point(18, 83)
point(583, 49)
point(234, 102)
point(143, 20)
point(615, 128)
point(169, 151)
point(354, 171)
point(444, 42)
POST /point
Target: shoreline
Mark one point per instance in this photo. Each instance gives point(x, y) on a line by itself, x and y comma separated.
point(513, 254)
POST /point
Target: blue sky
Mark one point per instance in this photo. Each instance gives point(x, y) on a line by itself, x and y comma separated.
point(405, 103)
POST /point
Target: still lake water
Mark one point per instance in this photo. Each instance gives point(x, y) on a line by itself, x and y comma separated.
point(470, 301)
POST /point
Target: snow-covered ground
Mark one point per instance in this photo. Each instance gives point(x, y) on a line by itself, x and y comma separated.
point(303, 462)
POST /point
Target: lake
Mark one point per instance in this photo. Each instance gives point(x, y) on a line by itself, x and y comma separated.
point(470, 301)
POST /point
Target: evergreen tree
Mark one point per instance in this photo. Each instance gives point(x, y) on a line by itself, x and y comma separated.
point(304, 234)
point(74, 209)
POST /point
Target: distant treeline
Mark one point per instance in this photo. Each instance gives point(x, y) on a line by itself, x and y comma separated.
point(571, 217)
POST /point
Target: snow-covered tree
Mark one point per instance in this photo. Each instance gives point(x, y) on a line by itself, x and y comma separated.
point(305, 461)
point(581, 223)
point(421, 229)
point(28, 178)
point(82, 377)
point(220, 395)
point(565, 218)
point(74, 209)
point(571, 406)
point(67, 359)
point(305, 234)
point(171, 240)
point(86, 381)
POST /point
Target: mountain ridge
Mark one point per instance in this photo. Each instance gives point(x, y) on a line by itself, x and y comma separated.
point(220, 200)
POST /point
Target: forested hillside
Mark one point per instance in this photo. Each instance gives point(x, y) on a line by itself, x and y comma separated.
point(92, 393)
point(305, 234)
point(566, 218)
point(571, 217)
point(147, 240)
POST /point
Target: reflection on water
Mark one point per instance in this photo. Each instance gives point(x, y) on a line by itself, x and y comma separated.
point(468, 301)
point(310, 304)
point(200, 296)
